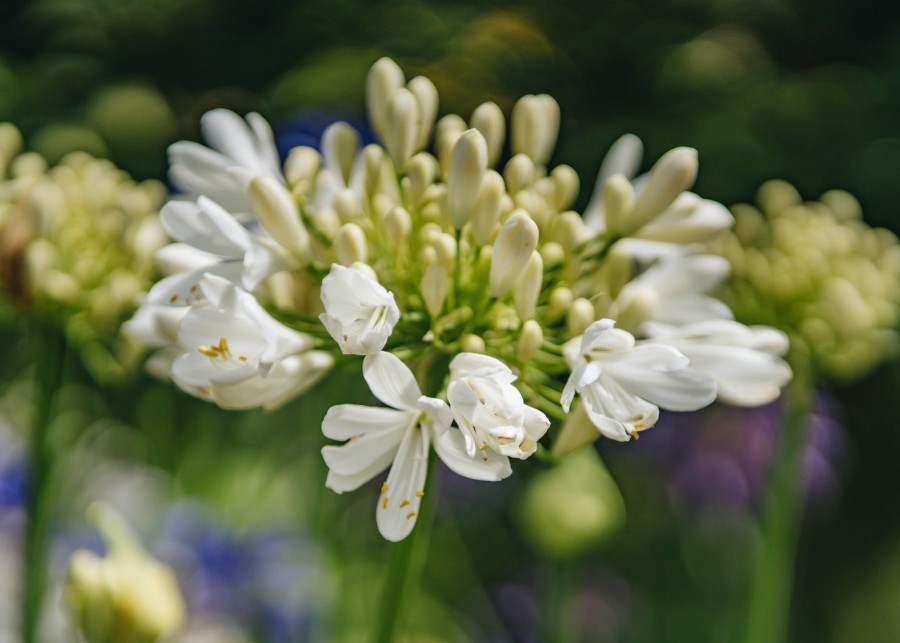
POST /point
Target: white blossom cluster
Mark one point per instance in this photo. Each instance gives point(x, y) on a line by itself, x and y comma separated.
point(484, 306)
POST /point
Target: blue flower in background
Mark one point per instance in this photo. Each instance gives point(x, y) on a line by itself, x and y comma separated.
point(306, 128)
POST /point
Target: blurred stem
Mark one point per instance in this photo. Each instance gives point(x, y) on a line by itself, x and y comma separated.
point(560, 623)
point(407, 562)
point(772, 576)
point(50, 347)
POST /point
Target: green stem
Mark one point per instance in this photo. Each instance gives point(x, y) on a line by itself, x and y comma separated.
point(559, 627)
point(49, 363)
point(407, 563)
point(773, 571)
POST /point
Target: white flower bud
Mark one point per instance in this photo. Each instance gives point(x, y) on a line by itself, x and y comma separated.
point(384, 79)
point(448, 130)
point(618, 199)
point(350, 245)
point(535, 126)
point(278, 215)
point(427, 96)
point(567, 184)
point(487, 207)
point(672, 174)
point(373, 159)
point(568, 230)
point(427, 255)
point(560, 300)
point(467, 166)
point(488, 119)
point(10, 141)
point(347, 206)
point(518, 173)
point(552, 253)
point(398, 223)
point(302, 164)
point(445, 245)
point(515, 242)
point(581, 315)
point(402, 127)
point(340, 144)
point(528, 286)
point(434, 288)
point(530, 340)
point(472, 344)
point(421, 172)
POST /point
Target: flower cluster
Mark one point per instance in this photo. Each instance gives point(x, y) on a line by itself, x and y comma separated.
point(484, 307)
point(818, 272)
point(77, 242)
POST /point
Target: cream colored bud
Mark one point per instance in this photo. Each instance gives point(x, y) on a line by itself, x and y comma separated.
point(340, 145)
point(777, 196)
point(445, 245)
point(560, 301)
point(528, 286)
point(278, 215)
point(581, 315)
point(530, 340)
point(302, 164)
point(373, 160)
point(472, 344)
point(427, 96)
point(398, 223)
point(488, 119)
point(568, 230)
point(843, 204)
point(427, 255)
point(59, 286)
point(448, 130)
point(518, 173)
point(487, 207)
point(451, 124)
point(618, 199)
point(535, 126)
point(421, 172)
point(350, 245)
point(434, 288)
point(513, 247)
point(402, 127)
point(672, 174)
point(10, 140)
point(464, 178)
point(384, 79)
point(347, 206)
point(567, 183)
point(553, 254)
point(28, 164)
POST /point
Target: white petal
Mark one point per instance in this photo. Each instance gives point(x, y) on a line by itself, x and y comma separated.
point(183, 288)
point(391, 381)
point(659, 374)
point(486, 465)
point(346, 421)
point(398, 506)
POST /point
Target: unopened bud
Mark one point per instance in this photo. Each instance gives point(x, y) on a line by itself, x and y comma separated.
point(568, 230)
point(434, 288)
point(552, 253)
point(302, 165)
point(535, 126)
point(472, 344)
point(528, 286)
point(530, 340)
point(402, 127)
point(488, 119)
point(340, 145)
point(567, 184)
point(398, 223)
point(560, 300)
point(421, 173)
point(515, 242)
point(487, 207)
point(427, 96)
point(384, 79)
point(672, 174)
point(467, 166)
point(618, 199)
point(518, 173)
point(445, 245)
point(347, 206)
point(448, 130)
point(350, 245)
point(581, 315)
point(278, 215)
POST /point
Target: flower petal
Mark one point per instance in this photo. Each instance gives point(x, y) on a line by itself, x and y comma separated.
point(398, 506)
point(486, 465)
point(391, 381)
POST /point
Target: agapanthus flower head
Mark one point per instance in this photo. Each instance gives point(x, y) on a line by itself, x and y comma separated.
point(436, 263)
point(816, 271)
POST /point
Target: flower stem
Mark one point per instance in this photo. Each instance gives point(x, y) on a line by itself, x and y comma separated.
point(49, 363)
point(773, 571)
point(559, 627)
point(407, 562)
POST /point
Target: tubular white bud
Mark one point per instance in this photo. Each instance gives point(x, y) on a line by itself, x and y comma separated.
point(518, 173)
point(530, 340)
point(427, 255)
point(618, 199)
point(672, 174)
point(448, 130)
point(278, 215)
point(434, 288)
point(385, 77)
point(528, 286)
point(398, 223)
point(515, 242)
point(568, 230)
point(373, 157)
point(402, 127)
point(10, 140)
point(340, 145)
point(350, 245)
point(347, 206)
point(581, 315)
point(467, 166)
point(567, 184)
point(28, 164)
point(488, 119)
point(535, 126)
point(560, 300)
point(445, 245)
point(553, 254)
point(472, 344)
point(302, 164)
point(487, 207)
point(421, 173)
point(427, 95)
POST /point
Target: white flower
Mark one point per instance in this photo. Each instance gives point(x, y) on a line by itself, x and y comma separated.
point(622, 385)
point(743, 360)
point(489, 410)
point(155, 327)
point(240, 357)
point(238, 150)
point(399, 437)
point(359, 312)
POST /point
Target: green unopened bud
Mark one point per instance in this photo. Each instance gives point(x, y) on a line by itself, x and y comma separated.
point(515, 242)
point(530, 340)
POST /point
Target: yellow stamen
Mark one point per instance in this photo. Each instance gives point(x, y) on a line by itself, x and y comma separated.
point(384, 503)
point(405, 503)
point(420, 493)
point(384, 487)
point(410, 515)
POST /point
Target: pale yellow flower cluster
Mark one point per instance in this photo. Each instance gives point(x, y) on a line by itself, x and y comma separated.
point(818, 272)
point(77, 240)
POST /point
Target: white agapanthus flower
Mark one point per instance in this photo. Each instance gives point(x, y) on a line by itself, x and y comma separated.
point(622, 385)
point(400, 437)
point(359, 312)
point(490, 410)
point(743, 360)
point(237, 355)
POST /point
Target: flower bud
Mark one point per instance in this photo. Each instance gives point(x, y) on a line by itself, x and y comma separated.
point(515, 242)
point(448, 130)
point(518, 173)
point(528, 286)
point(568, 230)
point(427, 96)
point(488, 119)
point(487, 207)
point(350, 245)
point(472, 344)
point(672, 174)
point(278, 215)
point(560, 300)
point(618, 199)
point(384, 79)
point(535, 126)
point(402, 122)
point(340, 144)
point(581, 315)
point(398, 223)
point(566, 181)
point(467, 166)
point(552, 254)
point(347, 206)
point(530, 340)
point(421, 172)
point(434, 288)
point(445, 245)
